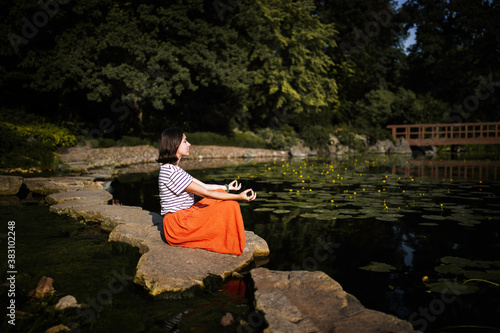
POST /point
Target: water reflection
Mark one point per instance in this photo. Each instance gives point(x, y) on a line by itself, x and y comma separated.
point(450, 169)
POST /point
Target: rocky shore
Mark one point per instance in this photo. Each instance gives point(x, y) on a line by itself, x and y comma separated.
point(83, 198)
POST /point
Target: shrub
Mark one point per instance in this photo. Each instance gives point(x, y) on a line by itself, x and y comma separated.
point(278, 139)
point(29, 141)
point(348, 137)
point(22, 151)
point(316, 136)
point(238, 139)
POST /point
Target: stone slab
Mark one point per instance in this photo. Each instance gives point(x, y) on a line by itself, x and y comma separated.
point(46, 186)
point(162, 268)
point(303, 301)
point(10, 185)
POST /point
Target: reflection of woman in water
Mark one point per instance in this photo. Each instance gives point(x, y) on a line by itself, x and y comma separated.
point(214, 223)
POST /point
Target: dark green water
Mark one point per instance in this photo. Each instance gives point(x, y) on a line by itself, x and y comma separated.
point(340, 216)
point(434, 227)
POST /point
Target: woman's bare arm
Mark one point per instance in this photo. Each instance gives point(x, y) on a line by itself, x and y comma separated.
point(233, 186)
point(202, 191)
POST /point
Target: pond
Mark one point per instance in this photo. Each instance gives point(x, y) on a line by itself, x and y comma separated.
point(419, 239)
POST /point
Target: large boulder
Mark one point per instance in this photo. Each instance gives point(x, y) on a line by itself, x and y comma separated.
point(303, 301)
point(402, 147)
point(381, 147)
point(10, 185)
point(301, 150)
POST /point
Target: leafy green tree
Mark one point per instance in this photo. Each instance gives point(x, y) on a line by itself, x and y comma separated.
point(141, 61)
point(290, 71)
point(456, 55)
point(381, 107)
point(370, 55)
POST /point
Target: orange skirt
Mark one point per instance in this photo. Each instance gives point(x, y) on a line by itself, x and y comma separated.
point(210, 224)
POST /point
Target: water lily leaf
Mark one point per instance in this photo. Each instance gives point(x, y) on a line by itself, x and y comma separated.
point(428, 224)
point(434, 217)
point(281, 211)
point(493, 276)
point(348, 211)
point(378, 267)
point(449, 269)
point(469, 223)
point(306, 206)
point(263, 209)
point(464, 262)
point(387, 218)
point(327, 217)
point(343, 216)
point(365, 216)
point(308, 215)
point(452, 288)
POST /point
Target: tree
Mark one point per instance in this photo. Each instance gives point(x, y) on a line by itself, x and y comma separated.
point(142, 61)
point(456, 56)
point(370, 54)
point(291, 74)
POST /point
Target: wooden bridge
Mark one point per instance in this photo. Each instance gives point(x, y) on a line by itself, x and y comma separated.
point(448, 134)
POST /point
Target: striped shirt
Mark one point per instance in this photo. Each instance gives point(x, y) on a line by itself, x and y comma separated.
point(172, 183)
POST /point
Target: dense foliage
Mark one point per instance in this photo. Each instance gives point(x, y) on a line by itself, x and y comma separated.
point(281, 68)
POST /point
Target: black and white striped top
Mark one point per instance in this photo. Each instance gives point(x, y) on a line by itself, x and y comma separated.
point(172, 183)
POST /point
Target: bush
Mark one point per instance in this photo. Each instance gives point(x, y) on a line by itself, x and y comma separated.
point(348, 137)
point(29, 141)
point(316, 136)
point(278, 139)
point(125, 141)
point(24, 152)
point(238, 139)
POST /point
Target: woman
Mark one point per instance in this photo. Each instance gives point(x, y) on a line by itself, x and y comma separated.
point(214, 223)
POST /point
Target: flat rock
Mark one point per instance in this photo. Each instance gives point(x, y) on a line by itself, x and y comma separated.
point(303, 301)
point(45, 186)
point(10, 185)
point(67, 302)
point(162, 268)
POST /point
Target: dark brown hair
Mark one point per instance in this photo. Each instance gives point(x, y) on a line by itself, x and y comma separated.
point(169, 143)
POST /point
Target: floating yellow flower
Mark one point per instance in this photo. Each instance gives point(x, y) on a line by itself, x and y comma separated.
point(425, 278)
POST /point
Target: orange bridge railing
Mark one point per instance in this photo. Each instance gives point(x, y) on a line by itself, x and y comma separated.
point(448, 134)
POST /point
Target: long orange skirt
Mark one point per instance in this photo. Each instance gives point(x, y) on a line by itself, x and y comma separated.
point(210, 224)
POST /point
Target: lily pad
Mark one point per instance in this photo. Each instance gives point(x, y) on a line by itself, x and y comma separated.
point(464, 262)
point(308, 215)
point(378, 267)
point(281, 211)
point(489, 275)
point(263, 209)
point(452, 288)
point(343, 216)
point(387, 218)
point(325, 217)
point(434, 217)
point(449, 269)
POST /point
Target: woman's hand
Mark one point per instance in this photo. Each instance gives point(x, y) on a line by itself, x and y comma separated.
point(233, 186)
point(248, 195)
